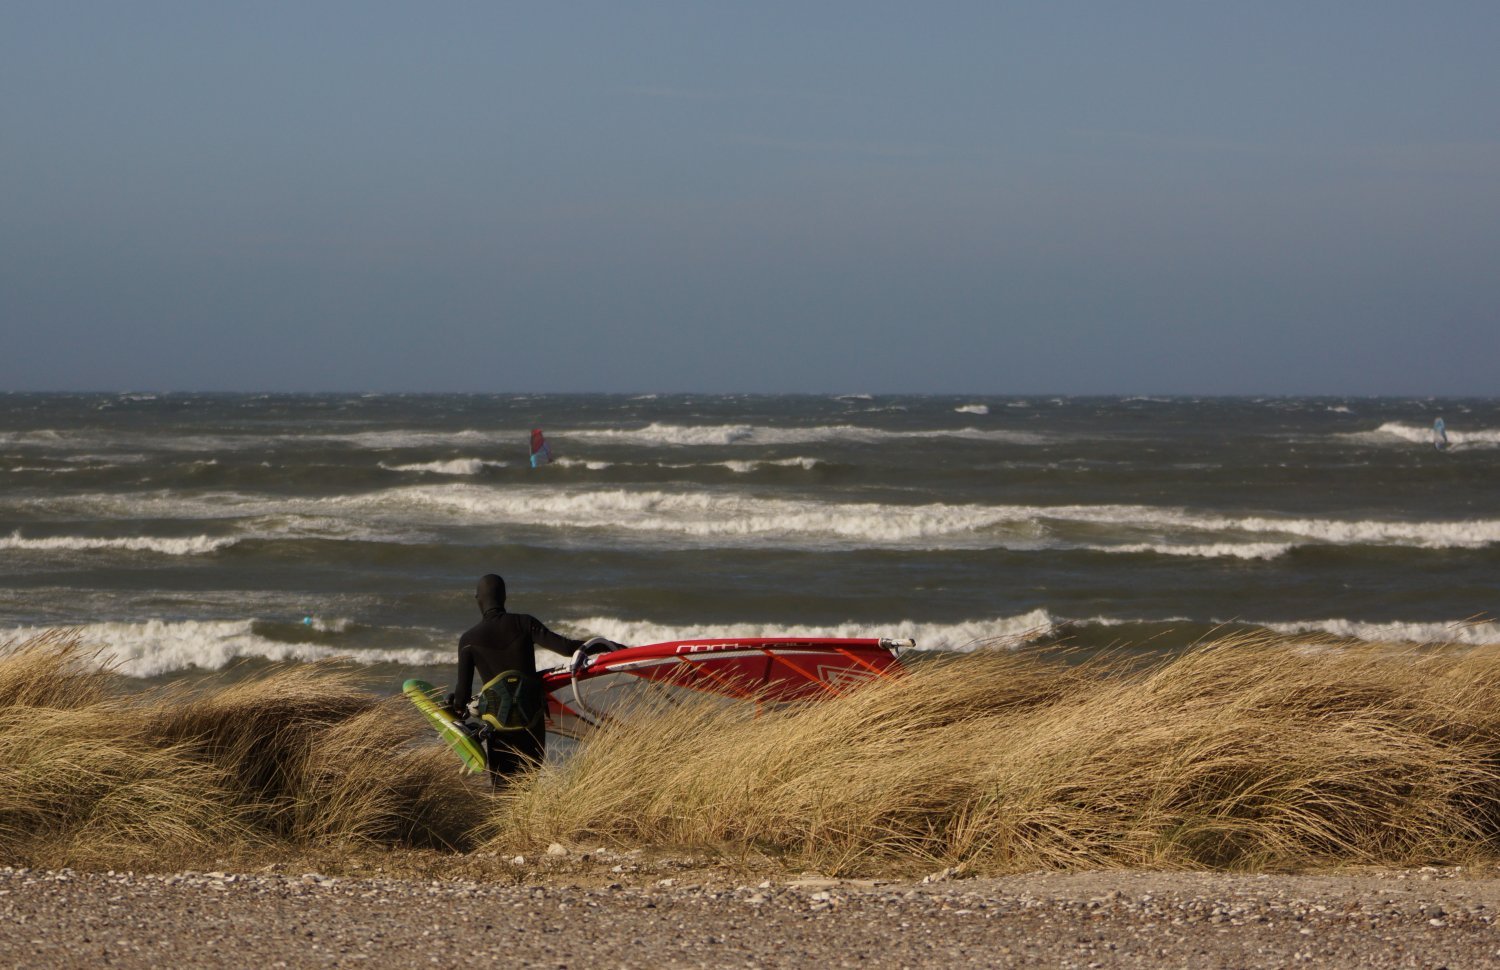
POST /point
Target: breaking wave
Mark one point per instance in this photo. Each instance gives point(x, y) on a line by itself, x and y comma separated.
point(1393, 431)
point(156, 647)
point(696, 515)
point(708, 515)
point(973, 409)
point(747, 434)
point(1246, 550)
point(456, 466)
point(186, 546)
point(1474, 633)
point(593, 466)
point(391, 440)
point(1013, 631)
point(966, 635)
point(746, 467)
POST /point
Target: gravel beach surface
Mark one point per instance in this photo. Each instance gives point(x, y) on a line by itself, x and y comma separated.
point(629, 915)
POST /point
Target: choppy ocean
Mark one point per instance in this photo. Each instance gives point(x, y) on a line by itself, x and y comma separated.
point(187, 532)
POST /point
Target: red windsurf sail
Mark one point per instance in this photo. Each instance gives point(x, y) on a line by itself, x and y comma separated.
point(541, 453)
point(759, 669)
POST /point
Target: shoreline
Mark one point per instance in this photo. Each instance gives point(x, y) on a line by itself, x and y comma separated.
point(563, 916)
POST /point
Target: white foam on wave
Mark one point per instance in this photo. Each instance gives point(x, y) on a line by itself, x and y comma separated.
point(746, 467)
point(106, 461)
point(1476, 634)
point(183, 546)
point(1217, 550)
point(745, 434)
point(455, 466)
point(337, 624)
point(1463, 534)
point(965, 635)
point(1393, 431)
point(696, 514)
point(1470, 534)
point(45, 437)
point(211, 444)
point(407, 438)
point(156, 647)
point(593, 466)
point(711, 514)
point(973, 409)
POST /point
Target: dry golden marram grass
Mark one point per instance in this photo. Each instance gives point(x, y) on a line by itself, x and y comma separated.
point(1247, 753)
point(291, 761)
point(1244, 753)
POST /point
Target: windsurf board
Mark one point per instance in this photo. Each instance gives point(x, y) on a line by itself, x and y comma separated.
point(448, 727)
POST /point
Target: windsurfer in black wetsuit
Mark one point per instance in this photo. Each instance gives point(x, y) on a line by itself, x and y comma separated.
point(500, 647)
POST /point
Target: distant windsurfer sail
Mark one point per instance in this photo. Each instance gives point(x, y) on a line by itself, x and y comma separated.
point(1439, 435)
point(541, 452)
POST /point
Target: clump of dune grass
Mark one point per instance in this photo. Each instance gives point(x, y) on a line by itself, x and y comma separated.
point(293, 760)
point(261, 729)
point(75, 789)
point(52, 668)
point(1244, 753)
point(81, 781)
point(363, 782)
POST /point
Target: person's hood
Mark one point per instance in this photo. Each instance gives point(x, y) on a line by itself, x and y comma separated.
point(490, 594)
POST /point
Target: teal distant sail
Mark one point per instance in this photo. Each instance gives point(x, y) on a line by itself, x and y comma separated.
point(1439, 435)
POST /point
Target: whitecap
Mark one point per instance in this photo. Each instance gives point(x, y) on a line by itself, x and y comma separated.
point(1397, 431)
point(659, 434)
point(156, 647)
point(746, 467)
point(181, 546)
point(1216, 550)
point(455, 466)
point(1393, 631)
point(964, 635)
point(590, 464)
point(737, 517)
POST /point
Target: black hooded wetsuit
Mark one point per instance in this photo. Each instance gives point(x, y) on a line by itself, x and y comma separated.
point(499, 643)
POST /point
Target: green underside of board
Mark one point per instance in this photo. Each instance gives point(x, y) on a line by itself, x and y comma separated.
point(421, 694)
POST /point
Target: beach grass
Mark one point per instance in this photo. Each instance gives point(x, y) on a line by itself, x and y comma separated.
point(1247, 753)
point(291, 762)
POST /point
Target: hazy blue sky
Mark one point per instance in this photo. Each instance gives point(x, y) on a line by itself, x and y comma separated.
point(845, 196)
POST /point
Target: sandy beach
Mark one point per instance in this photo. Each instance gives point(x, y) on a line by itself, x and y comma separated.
point(592, 915)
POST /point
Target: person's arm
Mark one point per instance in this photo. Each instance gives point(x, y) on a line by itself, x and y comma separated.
point(464, 684)
point(556, 642)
